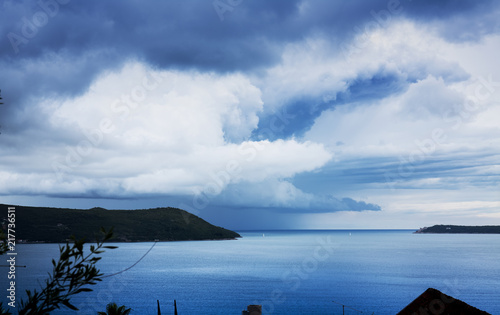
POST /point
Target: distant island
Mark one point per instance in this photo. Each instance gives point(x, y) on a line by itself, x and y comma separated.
point(56, 225)
point(461, 229)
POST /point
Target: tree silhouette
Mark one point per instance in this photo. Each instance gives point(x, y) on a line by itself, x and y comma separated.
point(113, 309)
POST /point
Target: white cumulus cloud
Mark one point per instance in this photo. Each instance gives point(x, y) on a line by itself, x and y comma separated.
point(144, 131)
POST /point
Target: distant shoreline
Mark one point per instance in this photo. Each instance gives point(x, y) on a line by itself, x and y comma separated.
point(129, 242)
point(459, 229)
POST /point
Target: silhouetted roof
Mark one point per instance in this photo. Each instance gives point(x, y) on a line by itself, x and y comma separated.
point(433, 301)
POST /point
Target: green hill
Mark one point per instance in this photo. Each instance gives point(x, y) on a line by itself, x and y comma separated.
point(41, 224)
point(461, 229)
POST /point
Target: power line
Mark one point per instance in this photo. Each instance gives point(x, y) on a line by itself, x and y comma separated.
point(113, 274)
point(132, 266)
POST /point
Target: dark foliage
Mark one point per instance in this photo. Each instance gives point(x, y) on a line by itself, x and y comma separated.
point(114, 309)
point(71, 274)
point(461, 229)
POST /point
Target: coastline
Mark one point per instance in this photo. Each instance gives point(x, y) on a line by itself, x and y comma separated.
point(459, 229)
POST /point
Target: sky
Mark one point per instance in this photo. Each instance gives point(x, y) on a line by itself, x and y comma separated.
point(255, 114)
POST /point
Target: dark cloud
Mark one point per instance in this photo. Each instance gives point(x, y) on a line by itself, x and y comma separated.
point(55, 49)
point(461, 20)
point(190, 34)
point(321, 204)
point(96, 35)
point(26, 83)
point(327, 204)
point(354, 205)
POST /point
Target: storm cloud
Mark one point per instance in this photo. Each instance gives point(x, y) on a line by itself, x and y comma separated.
point(293, 107)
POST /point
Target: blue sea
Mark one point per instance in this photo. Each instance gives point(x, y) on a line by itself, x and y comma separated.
point(287, 272)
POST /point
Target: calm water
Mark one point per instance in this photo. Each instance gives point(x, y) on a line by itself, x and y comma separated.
point(299, 272)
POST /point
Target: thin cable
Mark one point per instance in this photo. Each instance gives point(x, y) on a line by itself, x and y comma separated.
point(117, 273)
